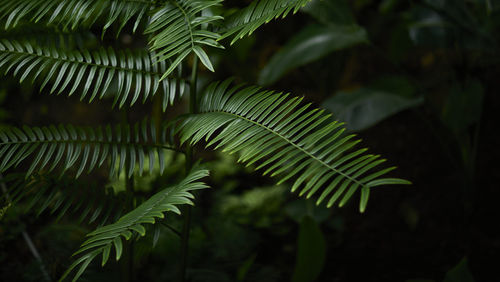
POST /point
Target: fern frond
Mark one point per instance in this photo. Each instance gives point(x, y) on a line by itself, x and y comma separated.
point(291, 139)
point(179, 30)
point(259, 12)
point(103, 239)
point(83, 148)
point(74, 13)
point(73, 69)
point(63, 195)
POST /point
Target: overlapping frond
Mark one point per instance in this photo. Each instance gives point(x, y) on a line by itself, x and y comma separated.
point(83, 148)
point(291, 140)
point(135, 72)
point(259, 12)
point(74, 13)
point(103, 239)
point(62, 195)
point(180, 29)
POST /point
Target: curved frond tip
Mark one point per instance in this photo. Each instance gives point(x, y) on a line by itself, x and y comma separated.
point(178, 29)
point(103, 239)
point(259, 12)
point(290, 139)
point(83, 148)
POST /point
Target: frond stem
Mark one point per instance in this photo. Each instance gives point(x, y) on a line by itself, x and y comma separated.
point(188, 22)
point(189, 165)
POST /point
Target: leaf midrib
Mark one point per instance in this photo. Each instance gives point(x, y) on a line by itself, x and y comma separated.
point(188, 22)
point(293, 144)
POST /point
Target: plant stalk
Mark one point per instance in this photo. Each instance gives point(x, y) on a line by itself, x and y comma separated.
point(129, 187)
point(189, 164)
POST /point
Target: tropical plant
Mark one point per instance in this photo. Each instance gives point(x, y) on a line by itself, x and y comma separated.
point(280, 134)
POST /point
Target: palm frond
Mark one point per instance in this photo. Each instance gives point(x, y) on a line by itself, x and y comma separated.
point(180, 30)
point(83, 148)
point(103, 239)
point(71, 14)
point(259, 12)
point(63, 195)
point(291, 139)
point(93, 72)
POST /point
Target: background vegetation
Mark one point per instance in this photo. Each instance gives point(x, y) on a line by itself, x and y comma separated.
point(416, 79)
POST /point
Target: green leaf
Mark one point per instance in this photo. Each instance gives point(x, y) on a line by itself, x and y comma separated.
point(311, 251)
point(176, 30)
point(365, 194)
point(289, 138)
point(117, 242)
point(310, 44)
point(365, 107)
point(105, 237)
point(77, 69)
point(73, 14)
point(47, 147)
point(259, 12)
point(203, 58)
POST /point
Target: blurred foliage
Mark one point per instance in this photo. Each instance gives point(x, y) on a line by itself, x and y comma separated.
point(310, 251)
point(366, 106)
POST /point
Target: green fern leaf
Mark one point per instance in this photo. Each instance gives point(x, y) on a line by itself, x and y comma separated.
point(93, 72)
point(291, 139)
point(179, 30)
point(75, 13)
point(259, 12)
point(83, 148)
point(103, 239)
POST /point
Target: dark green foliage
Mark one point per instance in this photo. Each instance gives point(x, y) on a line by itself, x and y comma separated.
point(71, 14)
point(104, 238)
point(259, 12)
point(83, 148)
point(291, 140)
point(308, 45)
point(311, 252)
point(279, 133)
point(178, 31)
point(94, 71)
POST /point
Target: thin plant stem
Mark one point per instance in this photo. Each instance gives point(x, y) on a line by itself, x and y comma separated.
point(171, 229)
point(129, 187)
point(189, 164)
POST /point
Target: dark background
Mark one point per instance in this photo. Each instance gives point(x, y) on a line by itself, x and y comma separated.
point(441, 228)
